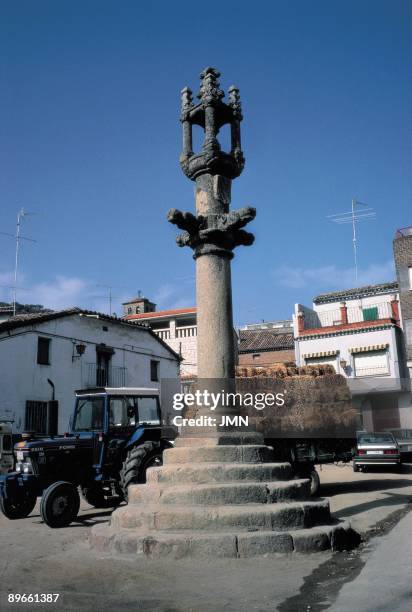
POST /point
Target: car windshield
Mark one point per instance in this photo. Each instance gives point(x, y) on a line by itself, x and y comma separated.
point(375, 439)
point(89, 414)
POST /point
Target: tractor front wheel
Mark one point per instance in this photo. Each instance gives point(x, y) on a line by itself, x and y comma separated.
point(60, 504)
point(137, 461)
point(18, 508)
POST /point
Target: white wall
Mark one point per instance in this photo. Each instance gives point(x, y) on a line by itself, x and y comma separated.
point(22, 379)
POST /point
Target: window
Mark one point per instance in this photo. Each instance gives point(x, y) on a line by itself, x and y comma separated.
point(36, 417)
point(371, 363)
point(43, 351)
point(148, 410)
point(122, 412)
point(129, 310)
point(321, 361)
point(370, 314)
point(89, 414)
point(154, 370)
point(7, 443)
point(256, 356)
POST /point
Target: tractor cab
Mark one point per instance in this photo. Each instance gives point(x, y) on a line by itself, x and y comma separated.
point(115, 411)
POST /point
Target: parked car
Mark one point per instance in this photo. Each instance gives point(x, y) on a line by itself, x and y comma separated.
point(403, 438)
point(376, 449)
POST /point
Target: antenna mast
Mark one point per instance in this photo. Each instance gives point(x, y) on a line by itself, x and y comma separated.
point(353, 216)
point(18, 237)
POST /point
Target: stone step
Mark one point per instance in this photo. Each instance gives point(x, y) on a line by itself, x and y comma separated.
point(257, 517)
point(177, 545)
point(203, 473)
point(221, 439)
point(221, 493)
point(253, 453)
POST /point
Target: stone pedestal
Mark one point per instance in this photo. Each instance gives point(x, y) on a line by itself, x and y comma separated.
point(221, 496)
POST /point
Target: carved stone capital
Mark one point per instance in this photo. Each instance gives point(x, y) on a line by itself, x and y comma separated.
point(213, 233)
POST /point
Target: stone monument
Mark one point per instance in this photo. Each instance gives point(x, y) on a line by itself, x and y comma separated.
point(219, 492)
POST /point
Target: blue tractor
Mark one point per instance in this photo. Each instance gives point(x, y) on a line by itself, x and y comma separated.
point(115, 435)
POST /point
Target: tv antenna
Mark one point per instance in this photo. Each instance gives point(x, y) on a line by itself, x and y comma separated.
point(358, 212)
point(18, 237)
point(109, 294)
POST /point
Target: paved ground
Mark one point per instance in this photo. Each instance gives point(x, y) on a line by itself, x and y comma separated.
point(36, 559)
point(385, 581)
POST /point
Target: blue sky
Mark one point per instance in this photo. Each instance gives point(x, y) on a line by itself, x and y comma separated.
point(90, 141)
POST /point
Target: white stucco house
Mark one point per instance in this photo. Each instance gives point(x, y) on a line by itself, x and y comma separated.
point(358, 332)
point(45, 357)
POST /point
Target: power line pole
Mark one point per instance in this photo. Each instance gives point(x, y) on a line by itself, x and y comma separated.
point(353, 216)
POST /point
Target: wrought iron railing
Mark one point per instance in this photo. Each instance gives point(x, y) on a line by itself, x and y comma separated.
point(99, 376)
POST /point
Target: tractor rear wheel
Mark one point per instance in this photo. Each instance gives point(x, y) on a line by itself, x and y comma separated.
point(18, 508)
point(60, 504)
point(138, 460)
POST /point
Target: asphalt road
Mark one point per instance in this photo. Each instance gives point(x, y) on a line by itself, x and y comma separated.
point(36, 559)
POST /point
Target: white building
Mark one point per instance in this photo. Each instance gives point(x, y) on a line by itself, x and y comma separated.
point(358, 332)
point(45, 357)
point(177, 327)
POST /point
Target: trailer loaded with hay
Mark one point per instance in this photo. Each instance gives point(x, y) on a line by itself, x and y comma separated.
point(317, 422)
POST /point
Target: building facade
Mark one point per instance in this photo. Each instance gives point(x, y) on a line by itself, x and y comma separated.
point(402, 250)
point(266, 344)
point(45, 357)
point(359, 333)
point(177, 327)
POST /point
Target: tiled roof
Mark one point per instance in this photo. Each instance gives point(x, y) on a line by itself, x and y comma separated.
point(25, 320)
point(264, 340)
point(160, 313)
point(359, 292)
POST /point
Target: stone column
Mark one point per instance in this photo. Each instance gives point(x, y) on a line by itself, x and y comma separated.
point(215, 230)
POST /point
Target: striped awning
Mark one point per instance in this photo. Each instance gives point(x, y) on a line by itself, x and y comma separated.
point(321, 354)
point(366, 349)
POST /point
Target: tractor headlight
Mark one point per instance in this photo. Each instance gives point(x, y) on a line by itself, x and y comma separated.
point(24, 467)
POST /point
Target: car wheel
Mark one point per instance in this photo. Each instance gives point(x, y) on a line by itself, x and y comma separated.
point(356, 468)
point(18, 508)
point(60, 504)
point(314, 483)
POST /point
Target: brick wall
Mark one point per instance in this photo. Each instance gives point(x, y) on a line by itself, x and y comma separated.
point(402, 250)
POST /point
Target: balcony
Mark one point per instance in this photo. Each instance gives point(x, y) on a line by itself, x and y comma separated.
point(187, 331)
point(164, 334)
point(344, 316)
point(98, 376)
